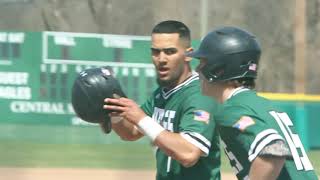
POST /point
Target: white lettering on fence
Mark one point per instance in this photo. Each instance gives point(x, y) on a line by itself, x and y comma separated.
point(39, 107)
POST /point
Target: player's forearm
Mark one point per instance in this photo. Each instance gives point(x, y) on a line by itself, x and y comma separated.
point(266, 168)
point(172, 144)
point(178, 148)
point(126, 131)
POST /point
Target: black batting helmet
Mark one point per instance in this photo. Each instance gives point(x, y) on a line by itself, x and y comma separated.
point(231, 53)
point(90, 89)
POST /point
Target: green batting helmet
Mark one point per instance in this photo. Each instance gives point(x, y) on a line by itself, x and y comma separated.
point(231, 53)
point(90, 89)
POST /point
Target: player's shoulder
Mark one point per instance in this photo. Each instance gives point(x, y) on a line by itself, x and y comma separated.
point(235, 110)
point(192, 96)
point(202, 103)
point(156, 94)
point(246, 104)
point(246, 97)
point(193, 88)
point(193, 93)
point(231, 112)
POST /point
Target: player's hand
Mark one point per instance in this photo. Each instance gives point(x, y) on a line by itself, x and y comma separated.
point(126, 108)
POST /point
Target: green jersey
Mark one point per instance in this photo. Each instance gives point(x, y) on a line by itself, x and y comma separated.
point(184, 110)
point(248, 124)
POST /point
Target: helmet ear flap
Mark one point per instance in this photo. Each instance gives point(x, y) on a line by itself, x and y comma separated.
point(214, 72)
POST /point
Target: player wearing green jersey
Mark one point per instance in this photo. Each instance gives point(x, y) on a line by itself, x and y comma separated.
point(258, 138)
point(177, 118)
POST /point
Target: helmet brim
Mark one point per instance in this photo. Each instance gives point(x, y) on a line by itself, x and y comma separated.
point(195, 54)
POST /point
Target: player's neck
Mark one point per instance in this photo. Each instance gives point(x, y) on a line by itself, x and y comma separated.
point(186, 75)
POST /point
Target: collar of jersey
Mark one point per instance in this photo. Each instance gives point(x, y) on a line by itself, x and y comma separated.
point(192, 78)
point(237, 91)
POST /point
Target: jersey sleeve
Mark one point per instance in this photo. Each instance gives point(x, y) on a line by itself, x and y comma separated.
point(197, 123)
point(147, 106)
point(253, 132)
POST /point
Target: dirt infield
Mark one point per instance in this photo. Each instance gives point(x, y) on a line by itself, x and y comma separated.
point(80, 174)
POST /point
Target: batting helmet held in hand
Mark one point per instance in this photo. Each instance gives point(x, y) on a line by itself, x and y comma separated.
point(231, 53)
point(90, 89)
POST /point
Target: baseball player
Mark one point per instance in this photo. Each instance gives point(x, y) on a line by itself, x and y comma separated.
point(259, 139)
point(177, 118)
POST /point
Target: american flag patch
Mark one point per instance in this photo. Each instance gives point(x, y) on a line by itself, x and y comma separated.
point(243, 123)
point(200, 115)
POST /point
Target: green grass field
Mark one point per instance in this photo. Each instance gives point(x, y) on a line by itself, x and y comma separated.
point(113, 156)
point(118, 156)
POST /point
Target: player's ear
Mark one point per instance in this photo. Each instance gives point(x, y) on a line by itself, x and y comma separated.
point(188, 50)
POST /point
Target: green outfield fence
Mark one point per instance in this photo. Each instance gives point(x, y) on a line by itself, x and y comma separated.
point(37, 70)
point(304, 110)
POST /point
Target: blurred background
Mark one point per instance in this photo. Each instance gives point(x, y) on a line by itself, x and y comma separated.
point(282, 27)
point(45, 43)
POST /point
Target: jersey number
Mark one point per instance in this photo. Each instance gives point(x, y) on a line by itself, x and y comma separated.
point(236, 165)
point(302, 161)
